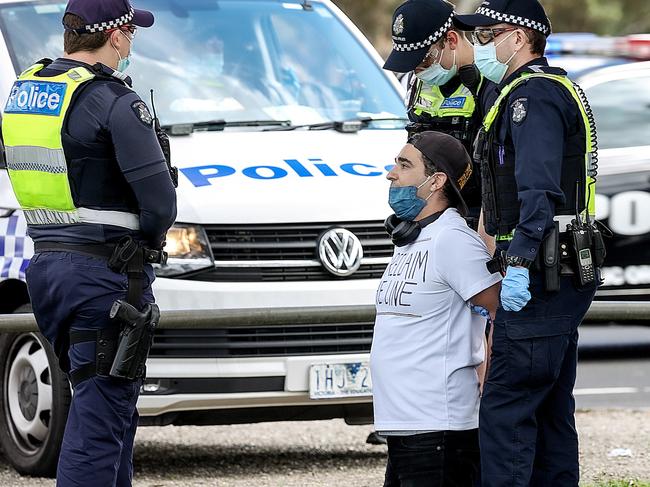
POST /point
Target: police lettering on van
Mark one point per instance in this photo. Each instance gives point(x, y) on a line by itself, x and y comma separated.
point(627, 213)
point(203, 175)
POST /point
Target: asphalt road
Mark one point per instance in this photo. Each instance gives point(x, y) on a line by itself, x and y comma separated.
point(613, 396)
point(613, 384)
point(621, 381)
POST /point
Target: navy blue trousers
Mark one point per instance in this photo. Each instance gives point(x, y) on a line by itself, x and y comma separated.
point(70, 291)
point(527, 423)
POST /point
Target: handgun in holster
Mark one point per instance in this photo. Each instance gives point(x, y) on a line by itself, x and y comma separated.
point(135, 339)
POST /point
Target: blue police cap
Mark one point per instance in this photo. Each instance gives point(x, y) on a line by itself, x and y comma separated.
point(102, 15)
point(417, 24)
point(525, 13)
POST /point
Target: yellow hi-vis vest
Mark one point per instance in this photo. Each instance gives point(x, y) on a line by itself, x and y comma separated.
point(32, 123)
point(590, 149)
point(430, 100)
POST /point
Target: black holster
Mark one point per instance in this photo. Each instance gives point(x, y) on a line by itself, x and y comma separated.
point(129, 257)
point(123, 349)
point(497, 264)
point(481, 147)
point(550, 259)
point(135, 340)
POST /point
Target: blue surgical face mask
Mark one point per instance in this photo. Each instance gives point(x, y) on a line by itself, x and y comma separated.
point(436, 75)
point(485, 58)
point(124, 62)
point(405, 202)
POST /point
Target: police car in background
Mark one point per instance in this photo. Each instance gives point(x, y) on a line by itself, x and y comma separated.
point(283, 126)
point(615, 74)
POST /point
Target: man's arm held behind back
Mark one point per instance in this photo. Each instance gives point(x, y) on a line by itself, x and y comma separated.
point(488, 299)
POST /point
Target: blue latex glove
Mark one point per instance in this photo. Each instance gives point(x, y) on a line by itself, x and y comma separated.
point(514, 289)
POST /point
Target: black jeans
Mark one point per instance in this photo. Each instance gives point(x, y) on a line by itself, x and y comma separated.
point(440, 459)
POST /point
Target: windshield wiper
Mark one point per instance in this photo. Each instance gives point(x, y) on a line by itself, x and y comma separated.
point(343, 126)
point(218, 125)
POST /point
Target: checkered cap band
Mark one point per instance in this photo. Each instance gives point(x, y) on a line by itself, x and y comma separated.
point(111, 24)
point(514, 19)
point(432, 39)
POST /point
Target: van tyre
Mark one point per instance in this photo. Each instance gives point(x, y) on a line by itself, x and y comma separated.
point(34, 403)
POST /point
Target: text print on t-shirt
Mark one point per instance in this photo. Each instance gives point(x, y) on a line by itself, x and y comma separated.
point(403, 274)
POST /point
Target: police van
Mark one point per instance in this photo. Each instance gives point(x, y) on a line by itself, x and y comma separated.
point(283, 127)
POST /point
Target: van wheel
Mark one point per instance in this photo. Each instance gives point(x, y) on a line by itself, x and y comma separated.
point(34, 403)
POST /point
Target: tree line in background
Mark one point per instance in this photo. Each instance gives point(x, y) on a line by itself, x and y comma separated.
point(605, 17)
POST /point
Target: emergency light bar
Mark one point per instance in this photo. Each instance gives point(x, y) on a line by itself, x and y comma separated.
point(636, 46)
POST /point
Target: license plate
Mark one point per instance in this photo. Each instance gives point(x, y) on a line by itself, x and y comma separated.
point(339, 380)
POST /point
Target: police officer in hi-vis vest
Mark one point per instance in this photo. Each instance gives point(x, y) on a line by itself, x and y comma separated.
point(95, 186)
point(538, 153)
point(443, 83)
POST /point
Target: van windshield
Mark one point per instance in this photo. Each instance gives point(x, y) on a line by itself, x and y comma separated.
point(232, 60)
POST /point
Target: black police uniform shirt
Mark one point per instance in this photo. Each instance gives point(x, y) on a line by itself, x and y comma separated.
point(104, 117)
point(537, 133)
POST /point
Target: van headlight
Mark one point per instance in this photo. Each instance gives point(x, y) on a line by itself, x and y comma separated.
point(188, 250)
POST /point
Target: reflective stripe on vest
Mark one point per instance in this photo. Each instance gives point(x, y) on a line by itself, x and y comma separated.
point(32, 125)
point(431, 101)
point(495, 111)
point(44, 216)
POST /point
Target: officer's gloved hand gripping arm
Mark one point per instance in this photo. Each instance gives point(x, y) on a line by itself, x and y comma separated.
point(538, 139)
point(143, 165)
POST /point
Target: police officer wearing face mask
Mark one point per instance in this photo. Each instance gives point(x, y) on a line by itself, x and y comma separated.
point(95, 188)
point(537, 148)
point(444, 85)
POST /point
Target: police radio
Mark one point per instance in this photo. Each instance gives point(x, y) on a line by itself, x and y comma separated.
point(163, 140)
point(581, 237)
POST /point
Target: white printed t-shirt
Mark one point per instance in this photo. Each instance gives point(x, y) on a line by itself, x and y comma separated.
point(427, 343)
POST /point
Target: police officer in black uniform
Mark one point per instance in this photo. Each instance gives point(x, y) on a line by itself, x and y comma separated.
point(537, 148)
point(98, 223)
point(443, 83)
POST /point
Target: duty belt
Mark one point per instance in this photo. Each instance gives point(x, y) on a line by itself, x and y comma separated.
point(127, 256)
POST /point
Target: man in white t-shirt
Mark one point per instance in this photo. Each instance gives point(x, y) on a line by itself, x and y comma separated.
point(427, 342)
